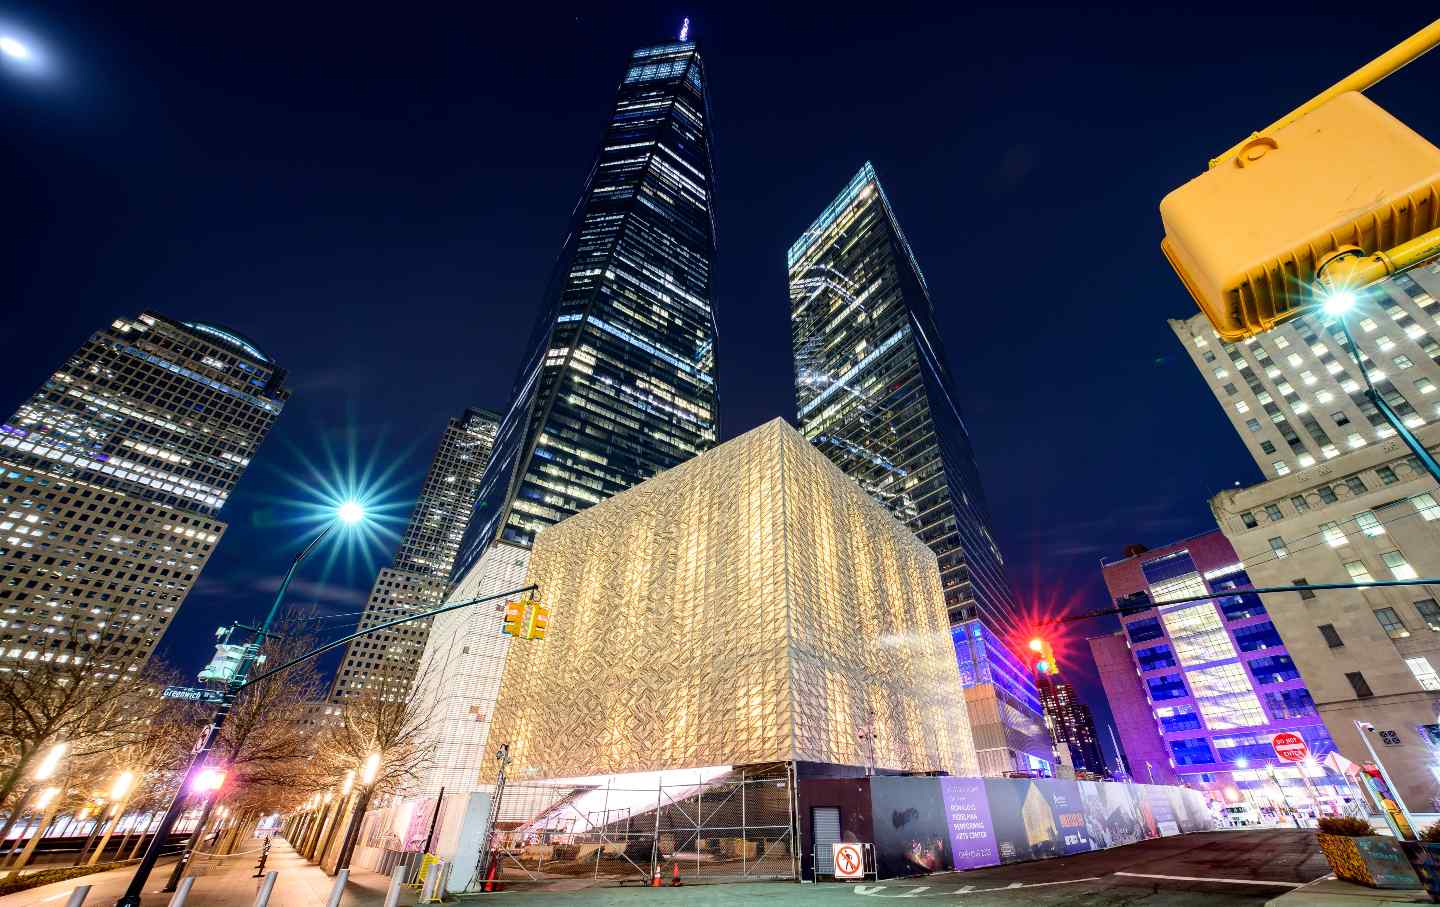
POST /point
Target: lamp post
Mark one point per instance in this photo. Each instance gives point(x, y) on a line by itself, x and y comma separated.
point(368, 772)
point(49, 804)
point(349, 513)
point(43, 772)
point(207, 784)
point(120, 796)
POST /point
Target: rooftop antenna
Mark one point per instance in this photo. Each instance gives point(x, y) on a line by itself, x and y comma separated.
point(685, 29)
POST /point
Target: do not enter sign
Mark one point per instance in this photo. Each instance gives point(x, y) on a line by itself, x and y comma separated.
point(1290, 747)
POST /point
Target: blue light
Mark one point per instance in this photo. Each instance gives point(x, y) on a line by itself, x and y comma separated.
point(685, 29)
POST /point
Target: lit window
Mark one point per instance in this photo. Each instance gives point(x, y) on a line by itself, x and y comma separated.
point(1241, 406)
point(1334, 368)
point(1277, 545)
point(1305, 459)
point(1414, 332)
point(1355, 440)
point(1358, 573)
point(1301, 407)
point(1350, 385)
point(1264, 397)
point(1425, 385)
point(1324, 396)
point(1333, 534)
point(1427, 507)
point(1201, 341)
point(1420, 667)
point(1281, 468)
point(1330, 451)
point(1402, 362)
point(1294, 359)
point(1369, 523)
point(1385, 343)
point(1377, 376)
point(1391, 622)
point(1398, 565)
point(1281, 342)
point(1308, 377)
point(1368, 325)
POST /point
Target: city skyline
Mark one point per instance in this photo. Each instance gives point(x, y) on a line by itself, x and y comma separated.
point(1045, 512)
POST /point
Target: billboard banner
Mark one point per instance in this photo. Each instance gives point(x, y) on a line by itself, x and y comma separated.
point(911, 831)
point(1112, 813)
point(1069, 814)
point(967, 815)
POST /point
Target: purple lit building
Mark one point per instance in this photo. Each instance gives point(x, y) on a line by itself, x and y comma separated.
point(1213, 675)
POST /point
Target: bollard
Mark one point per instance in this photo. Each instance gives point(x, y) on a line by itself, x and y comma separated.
point(266, 887)
point(397, 878)
point(341, 878)
point(77, 897)
point(183, 892)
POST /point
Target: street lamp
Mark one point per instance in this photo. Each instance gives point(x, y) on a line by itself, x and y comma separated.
point(369, 769)
point(43, 772)
point(120, 796)
point(348, 513)
point(46, 769)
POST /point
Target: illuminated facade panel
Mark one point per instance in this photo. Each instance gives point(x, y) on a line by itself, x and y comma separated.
point(619, 382)
point(751, 605)
point(417, 580)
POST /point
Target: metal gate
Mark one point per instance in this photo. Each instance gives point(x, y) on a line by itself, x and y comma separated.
point(729, 827)
point(826, 822)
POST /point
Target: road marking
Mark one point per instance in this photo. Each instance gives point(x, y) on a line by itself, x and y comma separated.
point(1144, 875)
point(874, 891)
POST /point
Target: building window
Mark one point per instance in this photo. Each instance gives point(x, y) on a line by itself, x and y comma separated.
point(1242, 407)
point(1332, 639)
point(1357, 683)
point(1429, 612)
point(1144, 630)
point(1155, 657)
point(1281, 468)
point(1290, 704)
point(1356, 485)
point(1267, 447)
point(1339, 418)
point(1334, 535)
point(1168, 686)
point(1305, 594)
point(1301, 505)
point(1260, 636)
point(1399, 567)
point(1358, 573)
point(1391, 622)
point(1175, 718)
point(1274, 669)
point(1403, 362)
point(1230, 390)
point(1248, 519)
point(1420, 667)
point(1387, 475)
point(1327, 494)
point(1425, 385)
point(1277, 545)
point(1252, 424)
point(1369, 523)
point(1191, 752)
point(1273, 512)
point(1426, 505)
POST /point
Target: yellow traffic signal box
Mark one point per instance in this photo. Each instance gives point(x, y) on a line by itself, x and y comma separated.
point(514, 619)
point(1246, 236)
point(539, 620)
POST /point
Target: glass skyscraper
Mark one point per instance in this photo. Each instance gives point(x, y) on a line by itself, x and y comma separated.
point(619, 382)
point(418, 578)
point(873, 391)
point(110, 478)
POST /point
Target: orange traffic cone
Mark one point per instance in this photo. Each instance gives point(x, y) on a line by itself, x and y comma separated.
point(490, 874)
point(675, 882)
point(655, 879)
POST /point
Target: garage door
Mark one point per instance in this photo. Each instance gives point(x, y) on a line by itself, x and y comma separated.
point(826, 822)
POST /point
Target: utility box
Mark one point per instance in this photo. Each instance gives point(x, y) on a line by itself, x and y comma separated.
point(1246, 235)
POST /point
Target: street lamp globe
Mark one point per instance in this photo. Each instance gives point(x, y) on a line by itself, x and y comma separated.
point(350, 512)
point(1338, 302)
point(370, 769)
point(14, 48)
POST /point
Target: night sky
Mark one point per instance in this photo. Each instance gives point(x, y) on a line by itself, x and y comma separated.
point(375, 195)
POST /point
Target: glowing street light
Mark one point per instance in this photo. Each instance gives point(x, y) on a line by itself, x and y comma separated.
point(208, 781)
point(14, 48)
point(122, 785)
point(370, 769)
point(348, 783)
point(350, 512)
point(46, 769)
point(1338, 302)
point(46, 797)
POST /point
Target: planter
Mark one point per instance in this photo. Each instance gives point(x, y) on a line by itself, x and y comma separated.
point(1373, 860)
point(1425, 860)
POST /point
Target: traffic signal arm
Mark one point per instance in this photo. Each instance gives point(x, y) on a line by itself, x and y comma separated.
point(1412, 48)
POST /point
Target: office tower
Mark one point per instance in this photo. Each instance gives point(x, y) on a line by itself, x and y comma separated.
point(417, 579)
point(1344, 501)
point(1142, 753)
point(873, 390)
point(110, 478)
point(1217, 673)
point(874, 393)
point(618, 382)
point(1003, 704)
point(1071, 722)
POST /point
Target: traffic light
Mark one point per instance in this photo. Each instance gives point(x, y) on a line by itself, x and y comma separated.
point(1045, 664)
point(539, 620)
point(514, 619)
point(1342, 195)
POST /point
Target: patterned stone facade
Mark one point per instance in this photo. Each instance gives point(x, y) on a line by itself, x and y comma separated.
point(751, 605)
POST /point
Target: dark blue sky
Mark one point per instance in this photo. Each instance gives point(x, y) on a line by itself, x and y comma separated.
point(375, 194)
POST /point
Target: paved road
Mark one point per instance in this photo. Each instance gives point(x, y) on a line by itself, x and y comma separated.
point(1201, 870)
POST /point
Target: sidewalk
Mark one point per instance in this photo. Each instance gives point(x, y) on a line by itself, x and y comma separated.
point(1331, 892)
point(225, 882)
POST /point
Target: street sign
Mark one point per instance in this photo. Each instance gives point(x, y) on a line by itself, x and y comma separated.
point(1290, 747)
point(191, 694)
point(849, 861)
